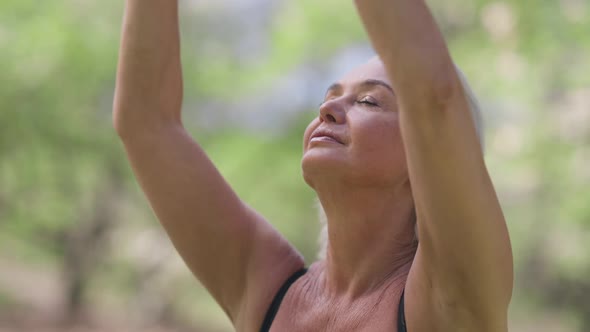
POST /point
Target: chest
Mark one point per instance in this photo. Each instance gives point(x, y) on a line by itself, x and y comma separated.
point(308, 312)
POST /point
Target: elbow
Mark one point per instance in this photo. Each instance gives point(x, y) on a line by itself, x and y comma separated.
point(429, 86)
point(137, 111)
point(122, 124)
point(116, 121)
point(132, 122)
point(121, 117)
point(128, 125)
point(442, 87)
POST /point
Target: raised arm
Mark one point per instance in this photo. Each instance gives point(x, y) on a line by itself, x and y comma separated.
point(461, 279)
point(232, 250)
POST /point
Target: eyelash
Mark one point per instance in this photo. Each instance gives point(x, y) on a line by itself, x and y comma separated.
point(365, 100)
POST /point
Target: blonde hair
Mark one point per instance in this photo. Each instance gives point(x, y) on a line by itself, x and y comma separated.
point(477, 121)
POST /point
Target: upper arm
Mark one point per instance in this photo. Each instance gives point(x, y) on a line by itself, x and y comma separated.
point(462, 273)
point(236, 254)
point(463, 267)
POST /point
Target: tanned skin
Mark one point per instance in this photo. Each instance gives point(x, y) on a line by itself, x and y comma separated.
point(230, 248)
point(462, 275)
point(408, 149)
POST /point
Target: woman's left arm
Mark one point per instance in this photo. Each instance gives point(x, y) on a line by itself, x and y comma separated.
point(462, 276)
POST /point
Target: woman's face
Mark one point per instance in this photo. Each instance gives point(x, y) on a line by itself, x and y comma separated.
point(356, 136)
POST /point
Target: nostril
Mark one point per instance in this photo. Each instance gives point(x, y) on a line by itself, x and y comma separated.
point(330, 118)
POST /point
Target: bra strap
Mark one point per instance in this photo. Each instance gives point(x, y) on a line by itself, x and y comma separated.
point(276, 302)
point(401, 315)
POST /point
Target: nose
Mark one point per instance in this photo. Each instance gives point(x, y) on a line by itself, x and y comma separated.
point(332, 112)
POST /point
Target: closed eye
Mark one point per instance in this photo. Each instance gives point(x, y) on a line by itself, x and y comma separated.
point(368, 101)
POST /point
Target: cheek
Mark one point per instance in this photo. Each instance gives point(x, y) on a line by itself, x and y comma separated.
point(380, 142)
point(377, 131)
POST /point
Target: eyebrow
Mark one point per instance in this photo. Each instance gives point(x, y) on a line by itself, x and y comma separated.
point(365, 83)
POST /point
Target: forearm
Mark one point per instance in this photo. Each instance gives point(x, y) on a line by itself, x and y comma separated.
point(460, 219)
point(149, 79)
point(412, 48)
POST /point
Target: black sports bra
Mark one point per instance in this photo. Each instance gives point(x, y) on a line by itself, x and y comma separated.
point(276, 303)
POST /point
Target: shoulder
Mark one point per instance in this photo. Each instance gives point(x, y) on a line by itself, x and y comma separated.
point(265, 279)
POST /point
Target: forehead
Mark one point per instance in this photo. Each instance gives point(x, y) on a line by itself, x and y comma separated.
point(373, 69)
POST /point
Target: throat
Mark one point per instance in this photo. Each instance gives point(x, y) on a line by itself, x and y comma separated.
point(354, 280)
point(371, 237)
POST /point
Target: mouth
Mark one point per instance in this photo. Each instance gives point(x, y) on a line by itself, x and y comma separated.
point(324, 139)
point(326, 136)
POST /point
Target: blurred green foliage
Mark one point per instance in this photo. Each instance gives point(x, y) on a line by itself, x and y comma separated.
point(72, 216)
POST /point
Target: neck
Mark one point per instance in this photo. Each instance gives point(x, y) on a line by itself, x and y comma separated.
point(371, 237)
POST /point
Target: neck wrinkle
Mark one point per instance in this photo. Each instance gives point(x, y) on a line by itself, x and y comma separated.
point(359, 259)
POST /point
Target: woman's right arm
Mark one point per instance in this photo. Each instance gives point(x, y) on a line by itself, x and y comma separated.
point(232, 250)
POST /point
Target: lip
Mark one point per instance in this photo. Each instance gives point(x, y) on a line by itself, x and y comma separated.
point(325, 135)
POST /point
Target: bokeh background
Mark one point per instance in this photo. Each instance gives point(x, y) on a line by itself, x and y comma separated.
point(80, 249)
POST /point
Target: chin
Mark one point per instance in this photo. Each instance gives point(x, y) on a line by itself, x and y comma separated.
point(320, 163)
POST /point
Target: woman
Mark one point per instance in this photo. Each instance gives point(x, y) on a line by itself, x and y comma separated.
point(393, 156)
